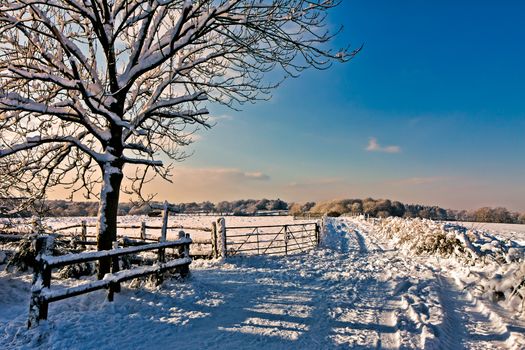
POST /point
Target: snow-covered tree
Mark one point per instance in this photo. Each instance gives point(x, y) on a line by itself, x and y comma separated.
point(88, 87)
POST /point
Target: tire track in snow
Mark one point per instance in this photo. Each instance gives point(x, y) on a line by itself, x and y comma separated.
point(371, 319)
point(466, 325)
point(363, 249)
point(456, 320)
point(453, 327)
point(391, 339)
point(386, 317)
point(481, 327)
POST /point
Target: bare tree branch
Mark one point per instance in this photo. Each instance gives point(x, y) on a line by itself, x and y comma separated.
point(87, 87)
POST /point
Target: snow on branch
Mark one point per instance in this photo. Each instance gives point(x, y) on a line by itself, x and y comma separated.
point(36, 141)
point(106, 83)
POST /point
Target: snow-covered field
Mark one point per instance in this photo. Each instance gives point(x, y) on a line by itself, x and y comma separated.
point(173, 221)
point(510, 231)
point(363, 288)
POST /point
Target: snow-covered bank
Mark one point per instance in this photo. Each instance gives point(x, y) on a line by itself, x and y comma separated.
point(510, 231)
point(491, 267)
point(356, 291)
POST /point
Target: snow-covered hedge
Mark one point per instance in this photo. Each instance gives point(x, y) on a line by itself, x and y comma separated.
point(423, 236)
point(493, 266)
point(20, 256)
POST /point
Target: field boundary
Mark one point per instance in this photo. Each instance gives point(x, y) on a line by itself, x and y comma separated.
point(45, 262)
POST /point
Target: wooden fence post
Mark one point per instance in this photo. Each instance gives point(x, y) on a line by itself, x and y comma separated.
point(317, 233)
point(214, 249)
point(221, 227)
point(164, 230)
point(257, 236)
point(187, 247)
point(285, 240)
point(180, 249)
point(161, 259)
point(143, 230)
point(162, 252)
point(83, 233)
point(184, 252)
point(38, 307)
point(186, 269)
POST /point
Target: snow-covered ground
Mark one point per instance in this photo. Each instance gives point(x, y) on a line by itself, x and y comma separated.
point(193, 221)
point(510, 231)
point(358, 290)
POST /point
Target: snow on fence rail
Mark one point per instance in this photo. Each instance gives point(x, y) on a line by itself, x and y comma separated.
point(42, 294)
point(82, 238)
point(197, 249)
point(143, 235)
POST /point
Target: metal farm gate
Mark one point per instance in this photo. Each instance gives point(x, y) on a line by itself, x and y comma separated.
point(272, 239)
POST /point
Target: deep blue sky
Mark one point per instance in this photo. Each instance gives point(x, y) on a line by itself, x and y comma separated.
point(442, 80)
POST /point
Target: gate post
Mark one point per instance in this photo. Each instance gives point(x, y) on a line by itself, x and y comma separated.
point(214, 249)
point(221, 227)
point(285, 239)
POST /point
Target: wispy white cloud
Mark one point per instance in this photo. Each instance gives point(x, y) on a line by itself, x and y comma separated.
point(256, 175)
point(221, 117)
point(225, 174)
point(374, 146)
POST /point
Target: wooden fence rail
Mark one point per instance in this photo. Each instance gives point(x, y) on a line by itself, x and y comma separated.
point(143, 225)
point(42, 294)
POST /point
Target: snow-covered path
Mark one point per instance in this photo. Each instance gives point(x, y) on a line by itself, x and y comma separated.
point(353, 292)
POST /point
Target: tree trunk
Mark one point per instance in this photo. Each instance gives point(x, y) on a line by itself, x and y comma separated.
point(107, 214)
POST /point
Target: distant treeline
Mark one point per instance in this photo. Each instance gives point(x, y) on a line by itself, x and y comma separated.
point(385, 208)
point(368, 206)
point(69, 208)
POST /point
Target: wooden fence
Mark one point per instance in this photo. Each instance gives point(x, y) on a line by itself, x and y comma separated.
point(144, 235)
point(246, 240)
point(308, 216)
point(42, 294)
point(235, 240)
point(224, 241)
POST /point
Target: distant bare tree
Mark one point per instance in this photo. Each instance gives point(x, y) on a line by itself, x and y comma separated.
point(90, 86)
